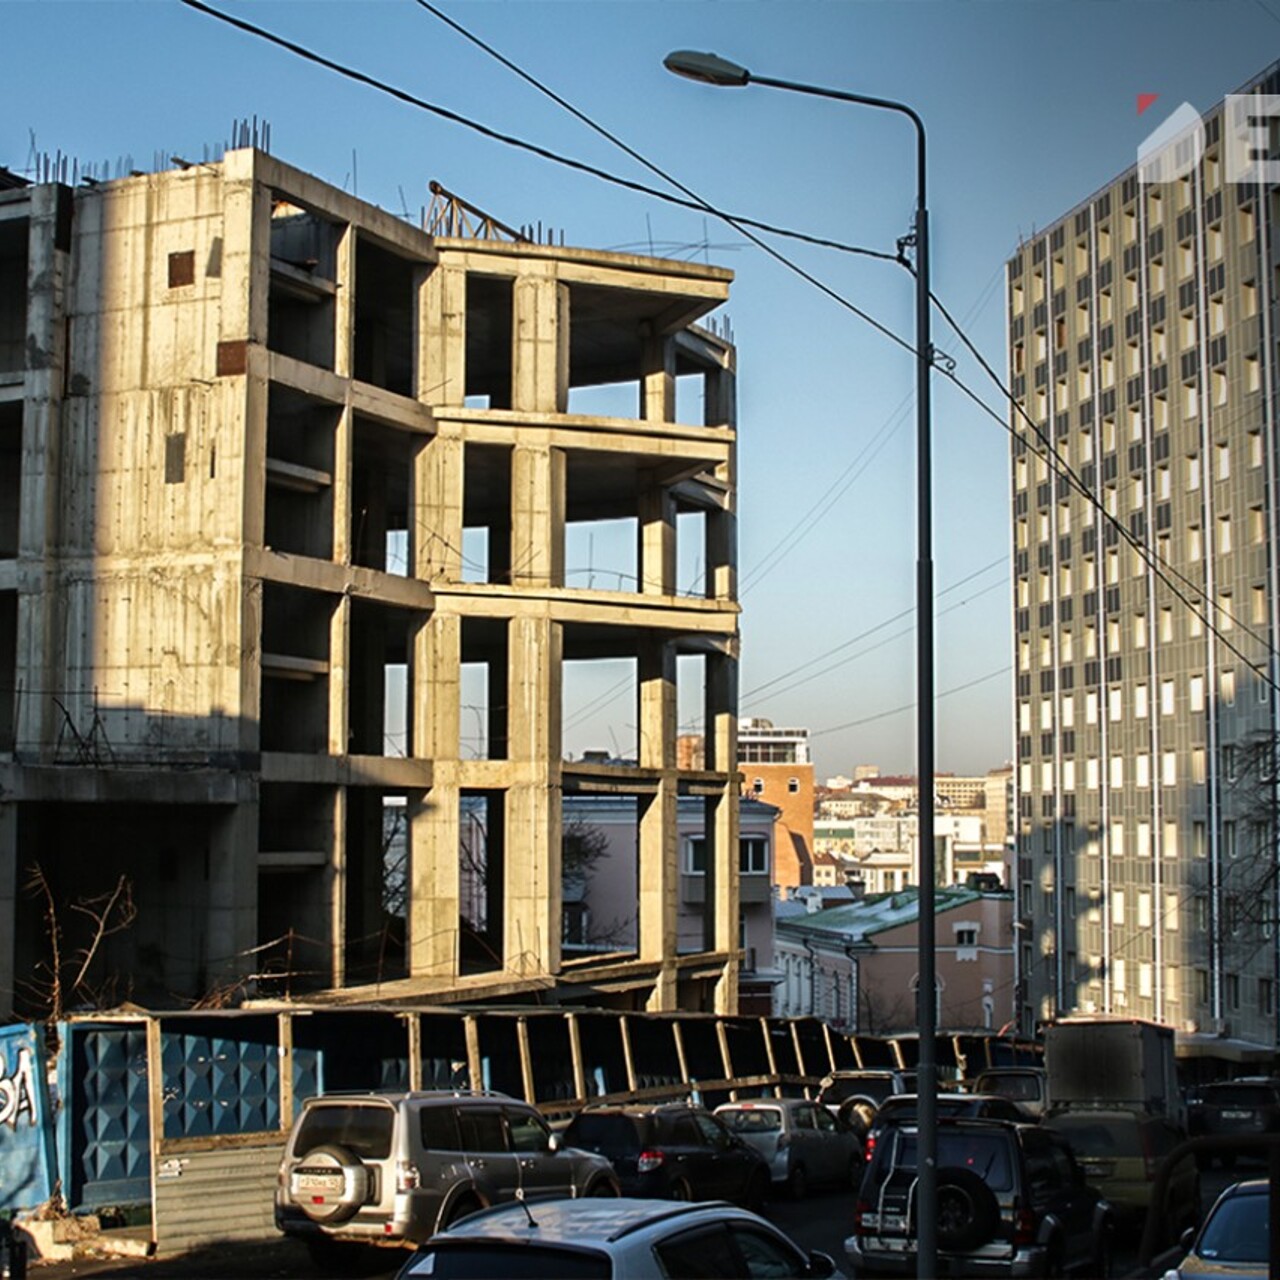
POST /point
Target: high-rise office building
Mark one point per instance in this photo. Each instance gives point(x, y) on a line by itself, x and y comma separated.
point(1145, 462)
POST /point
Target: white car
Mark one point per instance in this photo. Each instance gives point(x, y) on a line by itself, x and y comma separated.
point(613, 1240)
point(803, 1142)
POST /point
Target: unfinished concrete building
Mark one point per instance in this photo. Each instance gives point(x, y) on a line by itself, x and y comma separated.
point(284, 482)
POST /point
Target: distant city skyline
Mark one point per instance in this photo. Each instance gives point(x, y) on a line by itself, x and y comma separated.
point(1028, 107)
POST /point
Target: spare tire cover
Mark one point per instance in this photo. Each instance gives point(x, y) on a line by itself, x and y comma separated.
point(314, 1184)
point(968, 1212)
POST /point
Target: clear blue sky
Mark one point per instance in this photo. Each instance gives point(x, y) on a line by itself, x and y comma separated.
point(1030, 107)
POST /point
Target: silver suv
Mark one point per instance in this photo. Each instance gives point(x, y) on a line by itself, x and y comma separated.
point(394, 1168)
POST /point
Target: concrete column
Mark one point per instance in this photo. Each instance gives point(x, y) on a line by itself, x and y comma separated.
point(658, 380)
point(657, 552)
point(344, 311)
point(537, 516)
point(532, 924)
point(433, 818)
point(249, 675)
point(340, 679)
point(540, 346)
point(335, 883)
point(8, 904)
point(722, 547)
point(721, 826)
point(342, 453)
point(658, 834)
point(246, 252)
point(232, 930)
point(437, 526)
point(442, 338)
point(48, 263)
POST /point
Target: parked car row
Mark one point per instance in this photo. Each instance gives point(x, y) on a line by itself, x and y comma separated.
point(405, 1168)
point(1015, 1197)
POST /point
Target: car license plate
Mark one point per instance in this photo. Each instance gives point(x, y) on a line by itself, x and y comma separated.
point(320, 1182)
point(892, 1222)
point(1237, 1115)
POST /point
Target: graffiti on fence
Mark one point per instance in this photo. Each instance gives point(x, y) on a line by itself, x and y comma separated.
point(17, 1086)
point(26, 1120)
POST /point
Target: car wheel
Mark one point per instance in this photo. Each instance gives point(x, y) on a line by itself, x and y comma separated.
point(1102, 1258)
point(968, 1213)
point(798, 1183)
point(757, 1191)
point(330, 1162)
point(459, 1209)
point(603, 1187)
point(679, 1190)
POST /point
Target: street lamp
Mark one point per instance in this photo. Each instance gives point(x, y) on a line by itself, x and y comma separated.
point(708, 68)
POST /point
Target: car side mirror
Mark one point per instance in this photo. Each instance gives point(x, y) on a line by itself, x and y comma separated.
point(555, 1143)
point(821, 1265)
point(1187, 1238)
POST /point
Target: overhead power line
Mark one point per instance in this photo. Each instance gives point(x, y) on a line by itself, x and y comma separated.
point(743, 226)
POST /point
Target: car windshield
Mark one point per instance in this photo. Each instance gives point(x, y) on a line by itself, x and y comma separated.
point(752, 1119)
point(1019, 1088)
point(877, 1088)
point(1111, 1138)
point(986, 1154)
point(518, 1260)
point(612, 1134)
point(1237, 1231)
point(364, 1130)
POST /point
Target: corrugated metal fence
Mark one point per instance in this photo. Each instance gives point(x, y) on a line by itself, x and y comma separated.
point(167, 1107)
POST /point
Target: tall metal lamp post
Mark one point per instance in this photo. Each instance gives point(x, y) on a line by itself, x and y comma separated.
point(710, 69)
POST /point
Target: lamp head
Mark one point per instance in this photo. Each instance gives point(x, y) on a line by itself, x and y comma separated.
point(706, 67)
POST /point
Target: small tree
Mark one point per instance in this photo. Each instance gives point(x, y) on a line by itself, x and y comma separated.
point(66, 978)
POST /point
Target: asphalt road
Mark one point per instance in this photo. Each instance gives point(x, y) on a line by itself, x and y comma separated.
point(818, 1222)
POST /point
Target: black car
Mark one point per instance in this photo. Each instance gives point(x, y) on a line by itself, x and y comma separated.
point(1233, 1107)
point(901, 1109)
point(672, 1151)
point(1011, 1202)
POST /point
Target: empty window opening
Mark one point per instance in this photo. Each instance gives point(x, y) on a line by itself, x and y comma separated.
point(13, 296)
point(299, 498)
point(301, 306)
point(608, 400)
point(482, 732)
point(489, 343)
point(601, 555)
point(486, 535)
point(10, 477)
point(600, 845)
point(691, 398)
point(295, 845)
point(481, 862)
point(386, 317)
point(599, 708)
point(375, 949)
point(691, 554)
point(691, 695)
point(8, 668)
point(381, 471)
point(378, 673)
point(295, 669)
